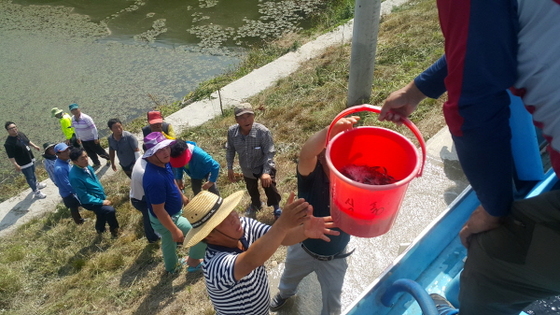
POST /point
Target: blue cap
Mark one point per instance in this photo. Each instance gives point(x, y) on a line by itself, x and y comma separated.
point(73, 106)
point(60, 147)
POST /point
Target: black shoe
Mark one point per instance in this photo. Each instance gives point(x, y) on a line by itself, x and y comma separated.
point(251, 212)
point(277, 302)
point(96, 166)
point(115, 232)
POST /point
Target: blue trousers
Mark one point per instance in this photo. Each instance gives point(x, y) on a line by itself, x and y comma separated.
point(29, 173)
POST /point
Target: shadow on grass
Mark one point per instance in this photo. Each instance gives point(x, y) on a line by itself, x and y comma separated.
point(141, 267)
point(162, 295)
point(76, 262)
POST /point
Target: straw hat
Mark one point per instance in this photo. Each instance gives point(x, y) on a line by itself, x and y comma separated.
point(206, 211)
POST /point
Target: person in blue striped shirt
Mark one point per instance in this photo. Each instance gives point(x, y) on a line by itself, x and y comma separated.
point(237, 247)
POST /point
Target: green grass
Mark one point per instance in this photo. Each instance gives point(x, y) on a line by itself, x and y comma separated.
point(52, 266)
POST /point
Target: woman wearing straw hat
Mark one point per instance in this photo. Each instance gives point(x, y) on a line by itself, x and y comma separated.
point(166, 202)
point(233, 267)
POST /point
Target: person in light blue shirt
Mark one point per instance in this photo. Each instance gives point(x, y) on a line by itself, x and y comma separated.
point(61, 171)
point(91, 193)
point(187, 157)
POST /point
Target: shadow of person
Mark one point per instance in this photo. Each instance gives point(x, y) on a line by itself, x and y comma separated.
point(102, 170)
point(17, 211)
point(145, 262)
point(453, 171)
point(76, 262)
point(160, 295)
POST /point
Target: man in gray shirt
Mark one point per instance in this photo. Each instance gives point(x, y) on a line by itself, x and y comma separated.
point(124, 144)
point(253, 144)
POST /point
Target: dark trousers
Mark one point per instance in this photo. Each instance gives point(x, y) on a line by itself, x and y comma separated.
point(196, 185)
point(71, 202)
point(142, 206)
point(272, 195)
point(104, 214)
point(93, 150)
point(510, 267)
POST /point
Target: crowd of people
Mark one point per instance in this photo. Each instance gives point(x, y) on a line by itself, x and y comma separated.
point(490, 47)
point(219, 242)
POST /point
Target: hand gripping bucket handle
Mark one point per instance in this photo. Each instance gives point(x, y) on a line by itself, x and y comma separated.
point(377, 109)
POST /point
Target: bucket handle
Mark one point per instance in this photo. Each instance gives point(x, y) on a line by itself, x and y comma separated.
point(377, 109)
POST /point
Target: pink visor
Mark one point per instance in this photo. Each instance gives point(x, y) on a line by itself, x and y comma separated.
point(181, 160)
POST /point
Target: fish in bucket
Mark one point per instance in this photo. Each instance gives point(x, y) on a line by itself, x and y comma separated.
point(370, 169)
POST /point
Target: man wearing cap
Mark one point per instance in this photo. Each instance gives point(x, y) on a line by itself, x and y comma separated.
point(238, 247)
point(17, 147)
point(49, 159)
point(61, 171)
point(124, 145)
point(156, 124)
point(165, 202)
point(87, 135)
point(90, 192)
point(65, 125)
point(189, 158)
point(253, 144)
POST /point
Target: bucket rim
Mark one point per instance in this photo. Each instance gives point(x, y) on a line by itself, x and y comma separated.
point(398, 184)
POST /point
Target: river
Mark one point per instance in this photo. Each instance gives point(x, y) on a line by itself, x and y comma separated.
point(119, 58)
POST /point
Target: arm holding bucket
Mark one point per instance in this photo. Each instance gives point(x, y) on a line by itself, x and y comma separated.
point(316, 144)
point(401, 103)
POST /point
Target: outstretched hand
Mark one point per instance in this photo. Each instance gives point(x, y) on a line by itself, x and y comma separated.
point(295, 212)
point(344, 124)
point(319, 228)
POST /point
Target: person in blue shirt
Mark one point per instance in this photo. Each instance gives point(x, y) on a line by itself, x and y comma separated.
point(90, 192)
point(165, 204)
point(60, 177)
point(187, 157)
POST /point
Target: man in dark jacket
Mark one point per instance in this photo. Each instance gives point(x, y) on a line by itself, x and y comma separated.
point(19, 152)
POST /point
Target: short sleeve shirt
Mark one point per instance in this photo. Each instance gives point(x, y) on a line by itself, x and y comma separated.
point(159, 187)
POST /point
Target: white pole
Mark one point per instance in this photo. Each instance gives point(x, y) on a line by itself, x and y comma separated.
point(362, 59)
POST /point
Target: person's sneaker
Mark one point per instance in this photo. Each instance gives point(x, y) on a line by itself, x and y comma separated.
point(96, 166)
point(277, 212)
point(443, 306)
point(39, 195)
point(277, 302)
point(251, 212)
point(108, 162)
point(41, 185)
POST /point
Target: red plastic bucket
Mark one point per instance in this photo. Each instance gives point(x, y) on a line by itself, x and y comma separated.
point(369, 210)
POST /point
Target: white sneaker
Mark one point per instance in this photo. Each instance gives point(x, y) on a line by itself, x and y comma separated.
point(41, 185)
point(40, 195)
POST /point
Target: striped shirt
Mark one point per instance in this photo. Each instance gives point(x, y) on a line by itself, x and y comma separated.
point(255, 150)
point(250, 295)
point(85, 128)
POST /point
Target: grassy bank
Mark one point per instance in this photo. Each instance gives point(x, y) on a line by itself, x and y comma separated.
point(52, 266)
